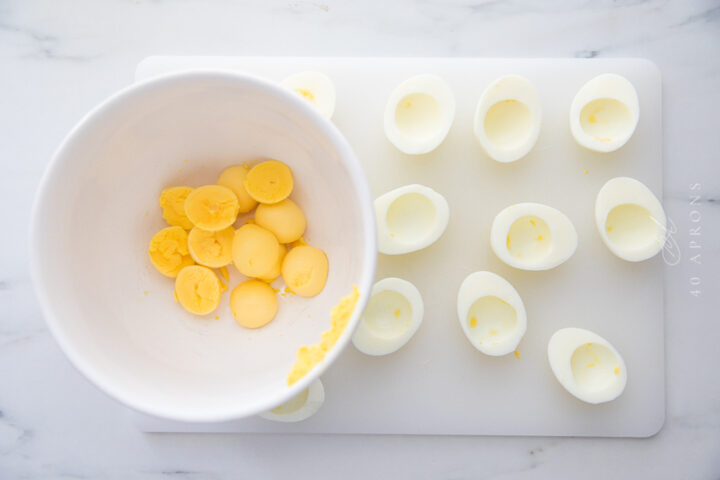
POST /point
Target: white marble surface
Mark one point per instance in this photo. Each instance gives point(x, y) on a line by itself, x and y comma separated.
point(57, 59)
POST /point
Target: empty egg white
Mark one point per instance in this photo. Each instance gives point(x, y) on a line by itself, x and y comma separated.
point(302, 406)
point(491, 313)
point(419, 113)
point(392, 316)
point(630, 219)
point(587, 365)
point(507, 118)
point(533, 236)
point(604, 113)
point(410, 218)
point(316, 88)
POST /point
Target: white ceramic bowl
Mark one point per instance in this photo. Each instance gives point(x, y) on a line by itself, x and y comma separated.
point(115, 316)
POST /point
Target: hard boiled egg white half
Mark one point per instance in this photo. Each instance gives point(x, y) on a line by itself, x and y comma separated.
point(410, 218)
point(630, 219)
point(604, 113)
point(393, 315)
point(587, 365)
point(507, 118)
point(533, 236)
point(302, 406)
point(491, 313)
point(419, 113)
point(315, 87)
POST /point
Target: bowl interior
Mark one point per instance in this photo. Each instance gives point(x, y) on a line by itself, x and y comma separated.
point(115, 316)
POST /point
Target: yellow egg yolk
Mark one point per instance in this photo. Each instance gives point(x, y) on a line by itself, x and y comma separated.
point(253, 303)
point(255, 251)
point(212, 249)
point(234, 179)
point(168, 251)
point(212, 207)
point(275, 273)
point(269, 182)
point(305, 270)
point(310, 355)
point(284, 219)
point(198, 289)
point(172, 202)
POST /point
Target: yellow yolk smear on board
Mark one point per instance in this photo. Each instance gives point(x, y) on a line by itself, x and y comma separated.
point(172, 202)
point(310, 355)
point(168, 251)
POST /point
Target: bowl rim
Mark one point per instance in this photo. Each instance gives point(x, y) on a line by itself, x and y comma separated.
point(60, 158)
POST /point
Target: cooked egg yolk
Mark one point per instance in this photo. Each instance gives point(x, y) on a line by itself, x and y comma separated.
point(197, 289)
point(223, 270)
point(212, 249)
point(234, 179)
point(305, 270)
point(269, 182)
point(168, 251)
point(284, 219)
point(277, 268)
point(212, 207)
point(172, 202)
point(253, 304)
point(310, 355)
point(255, 251)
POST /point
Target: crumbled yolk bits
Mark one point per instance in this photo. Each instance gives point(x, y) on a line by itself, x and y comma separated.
point(305, 270)
point(172, 202)
point(202, 237)
point(269, 182)
point(234, 179)
point(212, 249)
point(284, 219)
point(212, 207)
point(255, 251)
point(310, 355)
point(198, 289)
point(168, 251)
point(253, 303)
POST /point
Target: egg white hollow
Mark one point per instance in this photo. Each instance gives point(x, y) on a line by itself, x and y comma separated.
point(604, 113)
point(302, 406)
point(410, 218)
point(419, 113)
point(533, 236)
point(392, 316)
point(491, 313)
point(587, 365)
point(315, 87)
point(507, 118)
point(630, 219)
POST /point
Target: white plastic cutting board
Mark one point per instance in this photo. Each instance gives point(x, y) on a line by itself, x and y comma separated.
point(438, 383)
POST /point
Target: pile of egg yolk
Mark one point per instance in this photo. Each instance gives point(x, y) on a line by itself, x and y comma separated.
point(202, 236)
